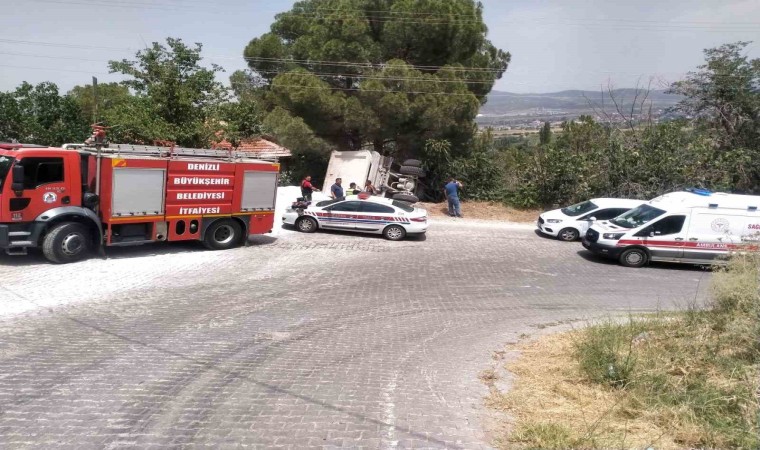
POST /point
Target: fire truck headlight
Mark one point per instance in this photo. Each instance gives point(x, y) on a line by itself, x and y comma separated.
point(613, 236)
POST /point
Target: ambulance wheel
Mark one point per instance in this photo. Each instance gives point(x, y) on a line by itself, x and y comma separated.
point(306, 225)
point(568, 234)
point(394, 233)
point(223, 234)
point(634, 257)
point(67, 242)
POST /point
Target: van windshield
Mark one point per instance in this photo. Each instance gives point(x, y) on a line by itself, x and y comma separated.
point(5, 167)
point(579, 208)
point(638, 216)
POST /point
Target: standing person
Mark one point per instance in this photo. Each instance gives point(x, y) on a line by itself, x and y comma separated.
point(336, 190)
point(352, 189)
point(307, 188)
point(451, 190)
point(369, 189)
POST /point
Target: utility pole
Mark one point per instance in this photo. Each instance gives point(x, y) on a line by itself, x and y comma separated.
point(95, 100)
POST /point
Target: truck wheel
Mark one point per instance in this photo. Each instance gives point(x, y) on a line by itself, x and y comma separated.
point(406, 198)
point(223, 235)
point(634, 257)
point(412, 163)
point(67, 242)
point(568, 234)
point(411, 170)
point(394, 232)
point(306, 225)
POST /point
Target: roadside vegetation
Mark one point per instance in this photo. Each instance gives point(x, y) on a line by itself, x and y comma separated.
point(669, 380)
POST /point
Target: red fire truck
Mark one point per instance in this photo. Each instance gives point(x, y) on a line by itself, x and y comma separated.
point(71, 202)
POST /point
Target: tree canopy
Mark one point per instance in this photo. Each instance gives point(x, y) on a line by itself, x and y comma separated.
point(724, 97)
point(175, 97)
point(39, 114)
point(390, 73)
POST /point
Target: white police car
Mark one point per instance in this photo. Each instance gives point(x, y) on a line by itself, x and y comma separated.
point(359, 213)
point(571, 223)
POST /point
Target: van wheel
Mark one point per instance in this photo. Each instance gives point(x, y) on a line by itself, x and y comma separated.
point(223, 235)
point(568, 235)
point(67, 242)
point(634, 257)
point(394, 233)
point(306, 225)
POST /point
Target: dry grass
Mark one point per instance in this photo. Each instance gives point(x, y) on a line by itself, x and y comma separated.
point(484, 211)
point(553, 406)
point(678, 380)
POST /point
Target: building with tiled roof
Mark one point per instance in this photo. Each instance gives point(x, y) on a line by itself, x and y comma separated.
point(258, 148)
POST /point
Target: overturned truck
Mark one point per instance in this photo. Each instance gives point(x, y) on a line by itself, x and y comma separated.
point(359, 166)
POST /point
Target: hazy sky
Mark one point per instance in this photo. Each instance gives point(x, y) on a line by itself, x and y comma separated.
point(555, 44)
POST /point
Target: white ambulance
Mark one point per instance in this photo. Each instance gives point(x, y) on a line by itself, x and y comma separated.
point(694, 227)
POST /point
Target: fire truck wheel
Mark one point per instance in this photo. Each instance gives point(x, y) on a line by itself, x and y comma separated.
point(67, 242)
point(223, 234)
point(306, 225)
point(634, 257)
point(394, 232)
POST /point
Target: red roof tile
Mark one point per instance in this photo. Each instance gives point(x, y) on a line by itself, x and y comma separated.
point(258, 148)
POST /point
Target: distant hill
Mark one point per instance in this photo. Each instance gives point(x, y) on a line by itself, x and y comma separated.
point(572, 103)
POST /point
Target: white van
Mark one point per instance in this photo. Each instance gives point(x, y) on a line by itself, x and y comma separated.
point(571, 223)
point(695, 227)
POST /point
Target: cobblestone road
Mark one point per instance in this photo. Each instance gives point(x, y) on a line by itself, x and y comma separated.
point(324, 340)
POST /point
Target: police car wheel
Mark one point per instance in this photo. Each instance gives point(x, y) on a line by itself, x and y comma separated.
point(306, 225)
point(223, 234)
point(634, 257)
point(568, 234)
point(394, 233)
point(67, 242)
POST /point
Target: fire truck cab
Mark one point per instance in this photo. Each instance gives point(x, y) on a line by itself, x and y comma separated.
point(71, 202)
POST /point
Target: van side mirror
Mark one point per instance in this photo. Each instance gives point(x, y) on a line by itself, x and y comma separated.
point(17, 178)
point(592, 218)
point(654, 233)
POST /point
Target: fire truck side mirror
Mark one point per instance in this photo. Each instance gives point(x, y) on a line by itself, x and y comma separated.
point(17, 184)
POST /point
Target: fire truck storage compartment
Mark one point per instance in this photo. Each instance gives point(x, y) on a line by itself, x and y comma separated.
point(131, 232)
point(259, 191)
point(138, 192)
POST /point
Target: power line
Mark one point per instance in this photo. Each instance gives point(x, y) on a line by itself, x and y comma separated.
point(451, 18)
point(237, 58)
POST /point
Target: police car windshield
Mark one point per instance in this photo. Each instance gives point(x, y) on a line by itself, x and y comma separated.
point(5, 167)
point(638, 216)
point(579, 208)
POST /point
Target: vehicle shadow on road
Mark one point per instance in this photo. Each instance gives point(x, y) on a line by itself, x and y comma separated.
point(350, 234)
point(36, 258)
point(590, 257)
point(545, 236)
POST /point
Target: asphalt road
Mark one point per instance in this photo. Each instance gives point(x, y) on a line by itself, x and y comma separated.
point(326, 340)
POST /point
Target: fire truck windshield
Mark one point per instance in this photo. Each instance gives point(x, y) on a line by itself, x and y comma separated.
point(5, 167)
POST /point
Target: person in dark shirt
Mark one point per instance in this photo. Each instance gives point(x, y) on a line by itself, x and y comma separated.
point(451, 191)
point(307, 188)
point(336, 190)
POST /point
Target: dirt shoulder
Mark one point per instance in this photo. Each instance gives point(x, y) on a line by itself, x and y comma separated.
point(484, 211)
